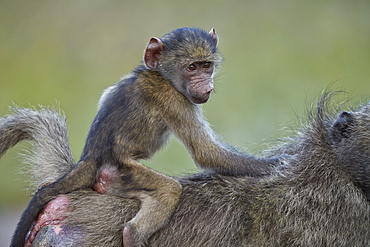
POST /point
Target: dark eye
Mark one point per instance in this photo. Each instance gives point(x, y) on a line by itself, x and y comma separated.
point(191, 67)
point(207, 65)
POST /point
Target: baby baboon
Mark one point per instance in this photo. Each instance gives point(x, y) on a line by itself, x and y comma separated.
point(134, 120)
point(319, 197)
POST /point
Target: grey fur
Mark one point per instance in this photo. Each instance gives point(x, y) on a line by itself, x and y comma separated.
point(51, 156)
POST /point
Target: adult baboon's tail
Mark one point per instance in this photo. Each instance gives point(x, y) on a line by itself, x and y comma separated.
point(51, 156)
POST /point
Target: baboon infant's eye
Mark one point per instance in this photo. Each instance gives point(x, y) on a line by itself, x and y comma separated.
point(191, 67)
point(207, 65)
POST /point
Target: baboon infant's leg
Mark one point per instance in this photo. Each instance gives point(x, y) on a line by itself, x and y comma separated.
point(159, 196)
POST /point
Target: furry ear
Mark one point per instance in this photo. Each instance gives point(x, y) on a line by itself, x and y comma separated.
point(152, 53)
point(214, 35)
point(341, 128)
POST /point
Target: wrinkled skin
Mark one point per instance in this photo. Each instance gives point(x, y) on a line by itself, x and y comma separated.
point(193, 77)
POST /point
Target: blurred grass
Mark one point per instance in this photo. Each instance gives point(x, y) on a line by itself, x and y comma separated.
point(279, 56)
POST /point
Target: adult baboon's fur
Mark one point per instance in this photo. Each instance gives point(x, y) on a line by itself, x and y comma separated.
point(318, 197)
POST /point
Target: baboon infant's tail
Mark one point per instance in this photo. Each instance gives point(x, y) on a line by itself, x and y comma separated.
point(51, 157)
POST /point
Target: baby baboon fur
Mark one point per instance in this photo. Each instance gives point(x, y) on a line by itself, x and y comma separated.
point(134, 120)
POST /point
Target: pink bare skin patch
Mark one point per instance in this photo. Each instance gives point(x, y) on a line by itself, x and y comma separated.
point(55, 210)
point(106, 179)
point(53, 214)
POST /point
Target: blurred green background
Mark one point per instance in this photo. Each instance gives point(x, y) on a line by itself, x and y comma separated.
point(279, 56)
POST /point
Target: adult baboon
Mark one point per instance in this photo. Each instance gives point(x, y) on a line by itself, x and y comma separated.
point(318, 197)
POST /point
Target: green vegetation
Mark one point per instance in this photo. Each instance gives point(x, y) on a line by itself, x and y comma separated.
point(279, 56)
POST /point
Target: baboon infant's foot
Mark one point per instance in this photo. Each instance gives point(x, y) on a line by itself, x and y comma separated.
point(130, 236)
point(52, 215)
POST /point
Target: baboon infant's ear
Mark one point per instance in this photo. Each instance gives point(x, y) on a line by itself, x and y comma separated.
point(152, 53)
point(341, 128)
point(214, 35)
